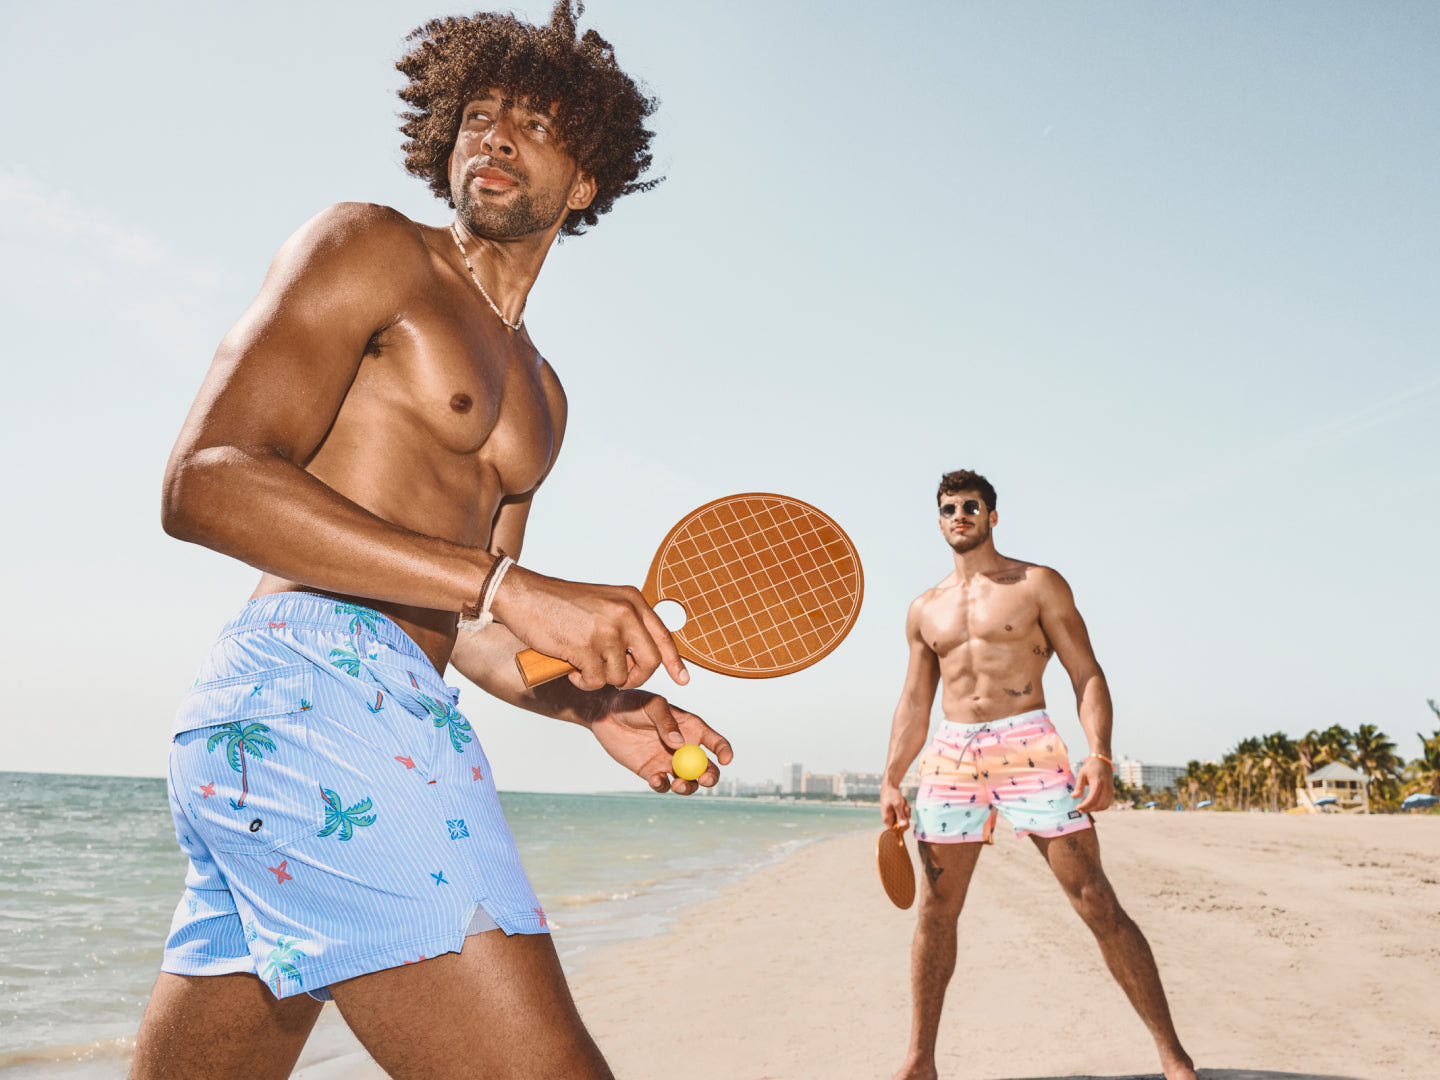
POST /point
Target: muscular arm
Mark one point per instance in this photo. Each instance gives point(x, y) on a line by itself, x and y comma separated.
point(911, 722)
point(236, 480)
point(1061, 621)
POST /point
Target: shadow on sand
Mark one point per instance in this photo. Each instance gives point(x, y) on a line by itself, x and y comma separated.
point(1210, 1074)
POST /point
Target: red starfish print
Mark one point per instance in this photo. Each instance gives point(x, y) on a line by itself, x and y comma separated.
point(276, 625)
point(206, 790)
point(414, 961)
point(406, 762)
point(476, 770)
point(279, 871)
point(543, 920)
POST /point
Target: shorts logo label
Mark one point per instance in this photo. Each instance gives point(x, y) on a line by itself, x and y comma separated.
point(1074, 814)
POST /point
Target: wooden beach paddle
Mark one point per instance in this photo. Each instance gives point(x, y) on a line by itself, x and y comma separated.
point(769, 585)
point(897, 873)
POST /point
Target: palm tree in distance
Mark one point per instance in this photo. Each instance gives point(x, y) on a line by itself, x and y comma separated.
point(1374, 755)
point(1278, 761)
point(1193, 771)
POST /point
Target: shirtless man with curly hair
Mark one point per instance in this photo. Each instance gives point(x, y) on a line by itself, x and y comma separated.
point(370, 437)
point(984, 636)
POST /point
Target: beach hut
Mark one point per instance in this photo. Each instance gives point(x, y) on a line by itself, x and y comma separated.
point(1333, 787)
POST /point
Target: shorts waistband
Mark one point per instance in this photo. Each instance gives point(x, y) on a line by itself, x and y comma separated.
point(320, 611)
point(994, 725)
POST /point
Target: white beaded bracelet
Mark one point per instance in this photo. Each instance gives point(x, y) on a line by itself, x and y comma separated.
point(481, 616)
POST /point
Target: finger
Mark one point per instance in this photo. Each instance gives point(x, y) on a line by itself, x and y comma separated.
point(658, 710)
point(589, 673)
point(660, 781)
point(669, 655)
point(710, 777)
point(707, 737)
point(684, 787)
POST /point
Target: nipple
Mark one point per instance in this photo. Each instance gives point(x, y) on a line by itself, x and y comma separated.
point(461, 403)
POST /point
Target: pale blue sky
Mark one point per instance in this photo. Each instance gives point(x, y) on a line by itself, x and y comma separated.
point(1165, 272)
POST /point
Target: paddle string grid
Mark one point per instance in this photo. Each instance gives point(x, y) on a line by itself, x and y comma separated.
point(769, 586)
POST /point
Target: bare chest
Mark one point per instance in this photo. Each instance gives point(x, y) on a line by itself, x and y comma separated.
point(466, 394)
point(982, 613)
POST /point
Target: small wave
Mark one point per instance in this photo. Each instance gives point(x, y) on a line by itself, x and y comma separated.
point(101, 1050)
point(600, 896)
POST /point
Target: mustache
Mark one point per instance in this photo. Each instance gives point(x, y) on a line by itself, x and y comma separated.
point(499, 167)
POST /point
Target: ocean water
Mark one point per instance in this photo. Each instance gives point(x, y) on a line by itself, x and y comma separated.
point(90, 875)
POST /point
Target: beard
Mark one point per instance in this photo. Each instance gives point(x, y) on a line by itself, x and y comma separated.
point(971, 540)
point(524, 215)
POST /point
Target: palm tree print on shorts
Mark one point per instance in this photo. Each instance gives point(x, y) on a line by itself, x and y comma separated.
point(243, 739)
point(445, 713)
point(360, 616)
point(279, 962)
point(346, 659)
point(346, 819)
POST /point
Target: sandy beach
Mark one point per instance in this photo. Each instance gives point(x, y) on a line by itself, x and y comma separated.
point(1290, 946)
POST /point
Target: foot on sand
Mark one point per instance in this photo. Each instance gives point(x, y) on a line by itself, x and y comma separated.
point(916, 1069)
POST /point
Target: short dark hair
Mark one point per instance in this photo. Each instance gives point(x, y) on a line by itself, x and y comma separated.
point(602, 114)
point(952, 483)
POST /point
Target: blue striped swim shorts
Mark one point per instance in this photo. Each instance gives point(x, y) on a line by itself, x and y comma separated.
point(337, 810)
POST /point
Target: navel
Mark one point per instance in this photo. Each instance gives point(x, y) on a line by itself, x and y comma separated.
point(1009, 627)
point(461, 402)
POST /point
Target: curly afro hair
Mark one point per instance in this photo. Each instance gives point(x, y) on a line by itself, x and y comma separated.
point(602, 113)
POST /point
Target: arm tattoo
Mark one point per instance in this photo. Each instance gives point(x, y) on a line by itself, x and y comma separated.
point(1029, 688)
point(933, 869)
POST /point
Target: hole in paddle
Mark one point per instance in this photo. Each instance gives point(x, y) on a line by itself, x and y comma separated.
point(671, 613)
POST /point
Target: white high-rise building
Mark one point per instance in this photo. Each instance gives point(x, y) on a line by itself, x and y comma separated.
point(1143, 774)
point(791, 775)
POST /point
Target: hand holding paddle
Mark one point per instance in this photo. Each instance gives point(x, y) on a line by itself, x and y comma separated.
point(769, 585)
point(609, 631)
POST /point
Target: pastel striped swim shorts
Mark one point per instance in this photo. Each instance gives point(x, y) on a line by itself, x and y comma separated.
point(337, 810)
point(1017, 766)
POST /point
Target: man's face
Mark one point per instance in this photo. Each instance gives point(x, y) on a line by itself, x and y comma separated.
point(509, 175)
point(965, 520)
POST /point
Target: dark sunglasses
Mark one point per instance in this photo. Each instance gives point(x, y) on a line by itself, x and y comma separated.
point(970, 507)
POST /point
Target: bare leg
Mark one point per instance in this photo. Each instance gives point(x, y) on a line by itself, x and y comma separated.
point(948, 868)
point(1075, 860)
point(498, 1010)
point(220, 1027)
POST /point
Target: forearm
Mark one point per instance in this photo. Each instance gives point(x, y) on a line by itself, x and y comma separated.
point(907, 738)
point(487, 658)
point(1092, 701)
point(256, 506)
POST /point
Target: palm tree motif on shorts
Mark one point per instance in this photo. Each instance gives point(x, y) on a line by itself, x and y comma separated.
point(278, 963)
point(346, 659)
point(445, 713)
point(360, 616)
point(243, 739)
point(346, 819)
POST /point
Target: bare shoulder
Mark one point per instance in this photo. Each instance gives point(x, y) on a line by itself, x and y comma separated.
point(922, 603)
point(1047, 583)
point(362, 231)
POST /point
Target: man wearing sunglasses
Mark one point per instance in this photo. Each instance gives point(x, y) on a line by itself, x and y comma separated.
point(984, 636)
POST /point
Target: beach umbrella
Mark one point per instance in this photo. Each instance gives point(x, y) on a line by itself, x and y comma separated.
point(1179, 806)
point(1150, 804)
point(1419, 801)
point(1204, 803)
point(1326, 800)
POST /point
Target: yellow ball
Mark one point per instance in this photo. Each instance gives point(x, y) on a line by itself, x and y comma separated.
point(689, 762)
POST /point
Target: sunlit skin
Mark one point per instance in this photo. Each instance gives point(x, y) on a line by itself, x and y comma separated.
point(984, 636)
point(370, 429)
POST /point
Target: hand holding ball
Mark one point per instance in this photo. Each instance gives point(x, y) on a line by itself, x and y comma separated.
point(689, 762)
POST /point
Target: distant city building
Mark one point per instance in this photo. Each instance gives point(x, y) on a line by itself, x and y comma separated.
point(1143, 774)
point(857, 785)
point(910, 786)
point(791, 775)
point(817, 784)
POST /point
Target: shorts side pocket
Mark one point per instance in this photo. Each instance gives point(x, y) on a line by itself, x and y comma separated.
point(247, 776)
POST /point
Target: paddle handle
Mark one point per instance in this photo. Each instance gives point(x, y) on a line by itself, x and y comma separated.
point(536, 668)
